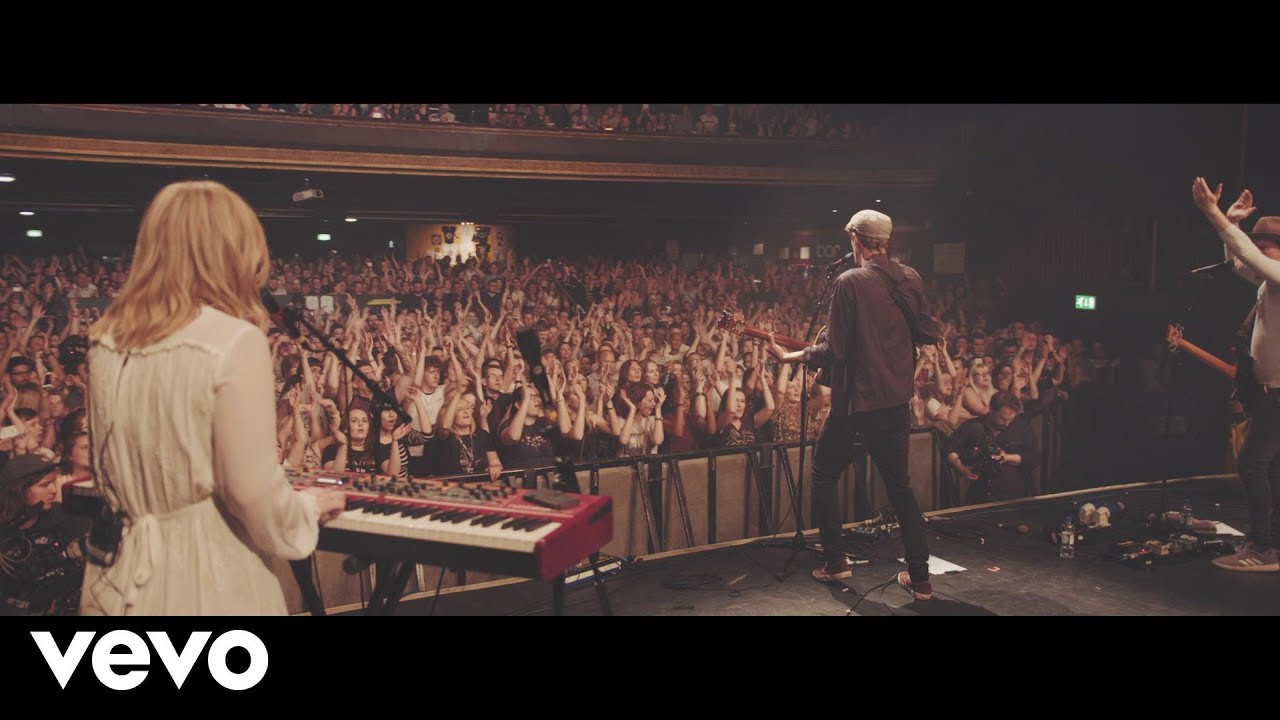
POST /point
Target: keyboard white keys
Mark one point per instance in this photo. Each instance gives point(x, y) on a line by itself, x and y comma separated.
point(443, 529)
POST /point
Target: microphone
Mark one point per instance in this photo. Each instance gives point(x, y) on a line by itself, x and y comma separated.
point(286, 318)
point(277, 314)
point(1224, 265)
point(531, 348)
point(848, 258)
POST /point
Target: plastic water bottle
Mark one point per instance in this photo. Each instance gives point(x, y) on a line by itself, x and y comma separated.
point(1186, 512)
point(1067, 539)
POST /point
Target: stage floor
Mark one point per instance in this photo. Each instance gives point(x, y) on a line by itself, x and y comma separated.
point(1005, 573)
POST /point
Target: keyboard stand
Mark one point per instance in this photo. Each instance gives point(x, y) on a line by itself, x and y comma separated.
point(393, 577)
point(557, 590)
point(601, 595)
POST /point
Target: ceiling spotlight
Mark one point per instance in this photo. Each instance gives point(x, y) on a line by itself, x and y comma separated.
point(351, 219)
point(26, 213)
point(35, 233)
point(877, 201)
point(323, 237)
point(6, 177)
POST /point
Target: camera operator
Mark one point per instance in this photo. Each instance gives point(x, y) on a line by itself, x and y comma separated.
point(996, 453)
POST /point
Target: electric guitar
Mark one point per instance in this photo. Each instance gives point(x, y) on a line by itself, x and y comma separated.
point(1176, 341)
point(734, 321)
point(1247, 388)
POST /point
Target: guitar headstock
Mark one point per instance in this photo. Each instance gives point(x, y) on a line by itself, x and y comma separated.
point(1173, 335)
point(730, 321)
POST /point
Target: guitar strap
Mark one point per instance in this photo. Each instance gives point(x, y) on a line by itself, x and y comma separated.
point(1245, 333)
point(1247, 389)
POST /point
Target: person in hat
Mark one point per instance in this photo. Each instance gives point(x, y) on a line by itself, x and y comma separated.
point(182, 423)
point(1255, 257)
point(41, 557)
point(869, 352)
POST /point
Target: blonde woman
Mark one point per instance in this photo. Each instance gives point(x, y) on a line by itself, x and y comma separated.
point(181, 412)
point(977, 397)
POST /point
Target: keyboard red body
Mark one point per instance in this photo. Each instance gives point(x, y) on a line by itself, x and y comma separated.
point(583, 529)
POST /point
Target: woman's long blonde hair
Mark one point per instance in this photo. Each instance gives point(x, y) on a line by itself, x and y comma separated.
point(199, 244)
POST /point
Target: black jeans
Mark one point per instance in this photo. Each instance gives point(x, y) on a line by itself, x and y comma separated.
point(1260, 470)
point(886, 434)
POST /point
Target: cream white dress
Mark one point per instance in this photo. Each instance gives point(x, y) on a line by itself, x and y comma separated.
point(183, 441)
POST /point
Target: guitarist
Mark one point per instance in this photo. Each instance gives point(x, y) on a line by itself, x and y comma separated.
point(1256, 257)
point(876, 313)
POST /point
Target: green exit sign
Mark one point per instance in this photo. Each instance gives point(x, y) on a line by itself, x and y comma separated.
point(1086, 302)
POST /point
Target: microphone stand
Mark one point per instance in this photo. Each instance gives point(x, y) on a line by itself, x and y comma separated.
point(531, 349)
point(302, 568)
point(797, 541)
point(575, 300)
point(292, 316)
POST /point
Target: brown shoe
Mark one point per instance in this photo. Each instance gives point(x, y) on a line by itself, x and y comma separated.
point(833, 571)
point(1250, 559)
point(918, 590)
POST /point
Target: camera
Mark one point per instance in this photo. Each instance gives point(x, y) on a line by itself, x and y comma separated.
point(981, 455)
point(669, 384)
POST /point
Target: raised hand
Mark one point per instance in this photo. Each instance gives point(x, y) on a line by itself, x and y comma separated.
point(335, 429)
point(708, 384)
point(1242, 208)
point(556, 375)
point(774, 348)
point(1205, 198)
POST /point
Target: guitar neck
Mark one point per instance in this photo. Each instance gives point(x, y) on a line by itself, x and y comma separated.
point(1208, 358)
point(787, 343)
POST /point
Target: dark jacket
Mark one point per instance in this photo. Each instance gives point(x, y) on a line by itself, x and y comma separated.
point(868, 353)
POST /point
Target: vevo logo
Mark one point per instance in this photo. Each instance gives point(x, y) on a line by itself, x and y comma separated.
point(64, 664)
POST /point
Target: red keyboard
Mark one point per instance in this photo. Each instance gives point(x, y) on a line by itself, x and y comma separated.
point(488, 527)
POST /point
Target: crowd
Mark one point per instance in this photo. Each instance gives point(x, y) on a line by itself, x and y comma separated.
point(639, 360)
point(841, 123)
